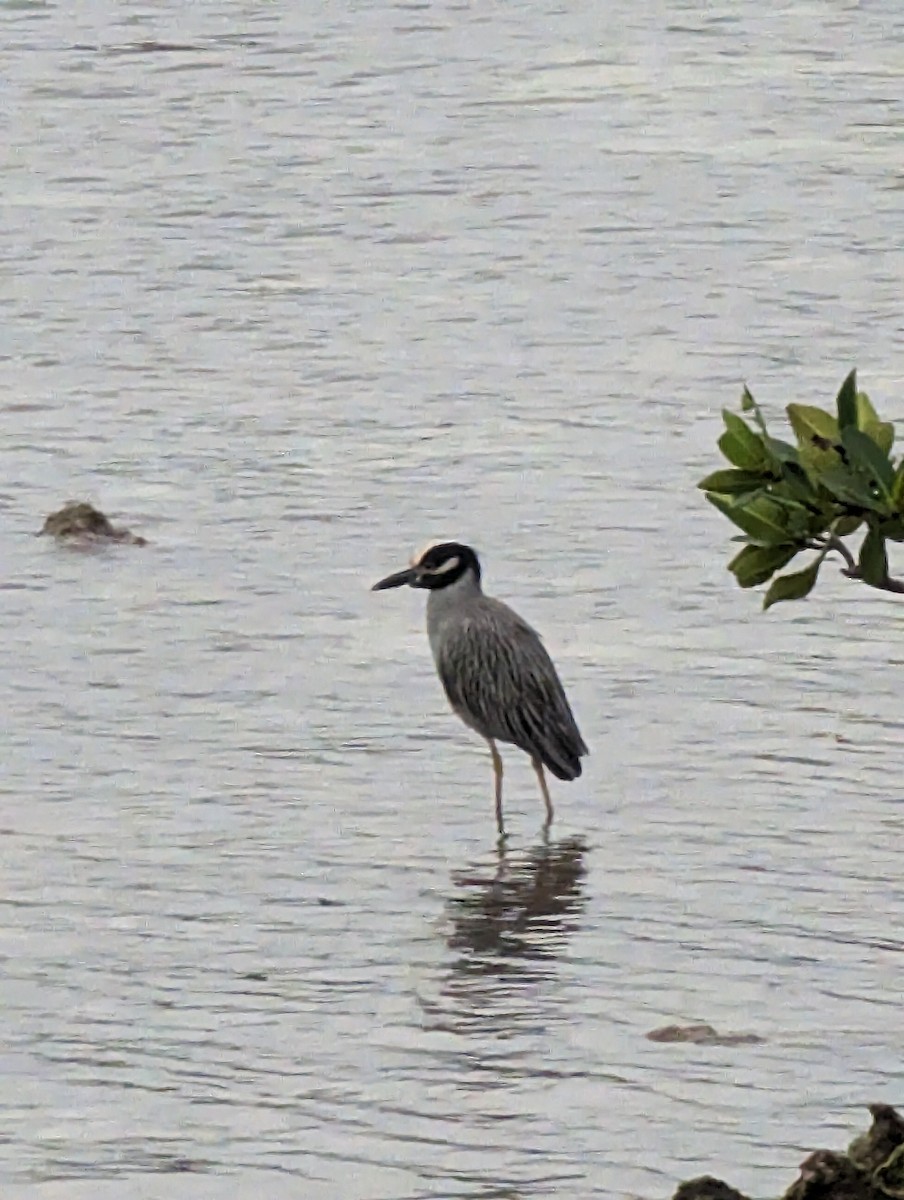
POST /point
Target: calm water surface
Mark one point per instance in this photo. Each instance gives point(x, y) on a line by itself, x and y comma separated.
point(291, 289)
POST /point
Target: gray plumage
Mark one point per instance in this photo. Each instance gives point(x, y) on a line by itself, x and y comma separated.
point(499, 678)
point(494, 667)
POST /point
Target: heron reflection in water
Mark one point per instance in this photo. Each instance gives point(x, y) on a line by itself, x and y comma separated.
point(509, 923)
point(524, 910)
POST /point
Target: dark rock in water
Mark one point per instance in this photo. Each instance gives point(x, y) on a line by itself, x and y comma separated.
point(826, 1174)
point(889, 1177)
point(707, 1188)
point(81, 521)
point(701, 1035)
point(872, 1169)
point(878, 1144)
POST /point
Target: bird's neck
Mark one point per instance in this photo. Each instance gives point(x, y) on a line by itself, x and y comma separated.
point(465, 588)
point(447, 608)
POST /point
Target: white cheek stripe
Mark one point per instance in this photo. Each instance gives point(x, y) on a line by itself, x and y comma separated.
point(450, 564)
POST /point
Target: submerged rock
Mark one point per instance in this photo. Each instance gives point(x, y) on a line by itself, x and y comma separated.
point(701, 1035)
point(872, 1169)
point(79, 521)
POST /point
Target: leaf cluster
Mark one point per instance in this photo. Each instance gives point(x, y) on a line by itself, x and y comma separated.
point(836, 478)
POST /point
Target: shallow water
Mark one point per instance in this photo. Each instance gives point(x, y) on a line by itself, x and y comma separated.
point(290, 293)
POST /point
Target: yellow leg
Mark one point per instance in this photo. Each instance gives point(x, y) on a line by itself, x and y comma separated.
point(538, 767)
point(497, 772)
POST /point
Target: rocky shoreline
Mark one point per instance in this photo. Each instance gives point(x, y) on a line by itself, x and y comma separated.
point(872, 1168)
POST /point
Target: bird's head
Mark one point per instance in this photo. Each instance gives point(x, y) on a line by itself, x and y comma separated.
point(438, 565)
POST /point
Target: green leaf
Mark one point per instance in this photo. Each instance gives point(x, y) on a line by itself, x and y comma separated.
point(795, 485)
point(882, 432)
point(847, 402)
point(748, 404)
point(793, 587)
point(781, 452)
point(799, 519)
point(740, 445)
point(730, 482)
point(893, 530)
point(866, 414)
point(765, 521)
point(808, 421)
point(755, 564)
point(873, 563)
point(850, 489)
point(817, 437)
point(736, 452)
point(897, 490)
point(844, 526)
point(866, 456)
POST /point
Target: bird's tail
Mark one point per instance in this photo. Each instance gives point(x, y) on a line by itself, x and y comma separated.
point(564, 760)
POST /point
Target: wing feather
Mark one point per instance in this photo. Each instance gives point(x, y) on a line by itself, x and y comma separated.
point(500, 680)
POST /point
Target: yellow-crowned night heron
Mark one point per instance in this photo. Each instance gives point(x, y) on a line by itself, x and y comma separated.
point(493, 666)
